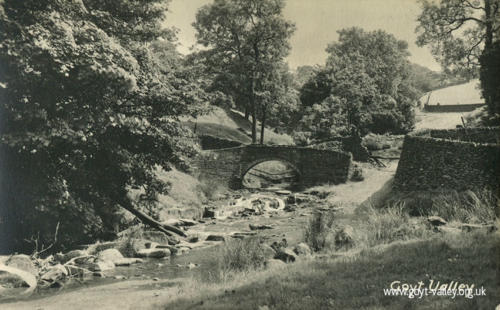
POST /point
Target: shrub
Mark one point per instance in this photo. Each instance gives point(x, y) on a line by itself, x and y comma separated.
point(381, 226)
point(238, 256)
point(318, 229)
point(357, 174)
point(466, 207)
point(128, 243)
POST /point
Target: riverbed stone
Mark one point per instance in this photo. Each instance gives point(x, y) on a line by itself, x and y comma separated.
point(283, 192)
point(150, 244)
point(99, 266)
point(209, 213)
point(109, 255)
point(215, 238)
point(63, 258)
point(22, 262)
point(259, 227)
point(436, 220)
point(127, 261)
point(344, 237)
point(54, 273)
point(302, 249)
point(154, 253)
point(286, 255)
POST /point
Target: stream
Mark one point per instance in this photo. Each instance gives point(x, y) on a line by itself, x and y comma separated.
point(230, 216)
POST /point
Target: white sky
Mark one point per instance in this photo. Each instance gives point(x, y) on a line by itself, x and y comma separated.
point(317, 22)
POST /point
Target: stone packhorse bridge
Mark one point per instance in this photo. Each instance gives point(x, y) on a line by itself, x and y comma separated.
point(313, 166)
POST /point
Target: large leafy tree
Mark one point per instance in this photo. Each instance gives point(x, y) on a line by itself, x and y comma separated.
point(245, 39)
point(365, 86)
point(462, 35)
point(88, 108)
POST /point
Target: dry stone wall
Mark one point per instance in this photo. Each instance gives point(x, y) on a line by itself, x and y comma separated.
point(440, 160)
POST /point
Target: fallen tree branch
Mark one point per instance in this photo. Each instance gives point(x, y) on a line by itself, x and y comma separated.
point(146, 219)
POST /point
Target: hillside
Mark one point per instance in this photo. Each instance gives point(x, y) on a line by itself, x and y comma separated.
point(232, 125)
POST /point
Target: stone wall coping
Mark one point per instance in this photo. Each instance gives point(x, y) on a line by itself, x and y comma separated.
point(291, 147)
point(426, 134)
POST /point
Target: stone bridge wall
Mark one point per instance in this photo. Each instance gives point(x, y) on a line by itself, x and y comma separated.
point(460, 159)
point(313, 166)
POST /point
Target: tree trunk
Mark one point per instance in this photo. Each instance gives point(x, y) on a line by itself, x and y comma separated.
point(488, 25)
point(254, 112)
point(247, 112)
point(254, 125)
point(146, 219)
point(263, 123)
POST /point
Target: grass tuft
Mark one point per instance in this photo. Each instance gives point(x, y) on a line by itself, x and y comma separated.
point(238, 256)
point(318, 230)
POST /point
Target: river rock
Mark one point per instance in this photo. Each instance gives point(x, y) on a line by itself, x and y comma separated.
point(14, 277)
point(22, 262)
point(55, 273)
point(127, 261)
point(259, 227)
point(156, 236)
point(109, 255)
point(302, 249)
point(215, 238)
point(436, 220)
point(150, 244)
point(471, 227)
point(208, 213)
point(286, 255)
point(154, 253)
point(344, 237)
point(283, 192)
point(101, 246)
point(63, 258)
point(99, 266)
point(272, 263)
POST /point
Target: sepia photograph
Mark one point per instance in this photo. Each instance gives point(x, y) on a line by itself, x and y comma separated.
point(250, 154)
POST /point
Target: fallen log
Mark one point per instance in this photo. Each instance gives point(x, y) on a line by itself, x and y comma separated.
point(146, 219)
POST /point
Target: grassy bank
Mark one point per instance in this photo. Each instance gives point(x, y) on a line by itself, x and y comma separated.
point(385, 245)
point(357, 280)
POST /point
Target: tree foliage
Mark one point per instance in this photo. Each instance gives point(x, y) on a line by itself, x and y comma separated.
point(365, 86)
point(463, 36)
point(246, 41)
point(458, 31)
point(88, 108)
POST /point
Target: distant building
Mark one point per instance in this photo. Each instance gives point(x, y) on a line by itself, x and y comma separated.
point(458, 98)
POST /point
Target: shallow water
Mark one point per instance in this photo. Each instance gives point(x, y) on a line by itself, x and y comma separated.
point(162, 269)
point(171, 268)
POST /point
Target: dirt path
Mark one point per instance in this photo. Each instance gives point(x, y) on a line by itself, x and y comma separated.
point(131, 294)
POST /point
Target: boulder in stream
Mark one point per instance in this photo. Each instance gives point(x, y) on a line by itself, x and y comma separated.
point(154, 253)
point(22, 262)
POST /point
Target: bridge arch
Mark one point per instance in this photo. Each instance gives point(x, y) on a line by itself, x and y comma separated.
point(275, 171)
point(251, 165)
